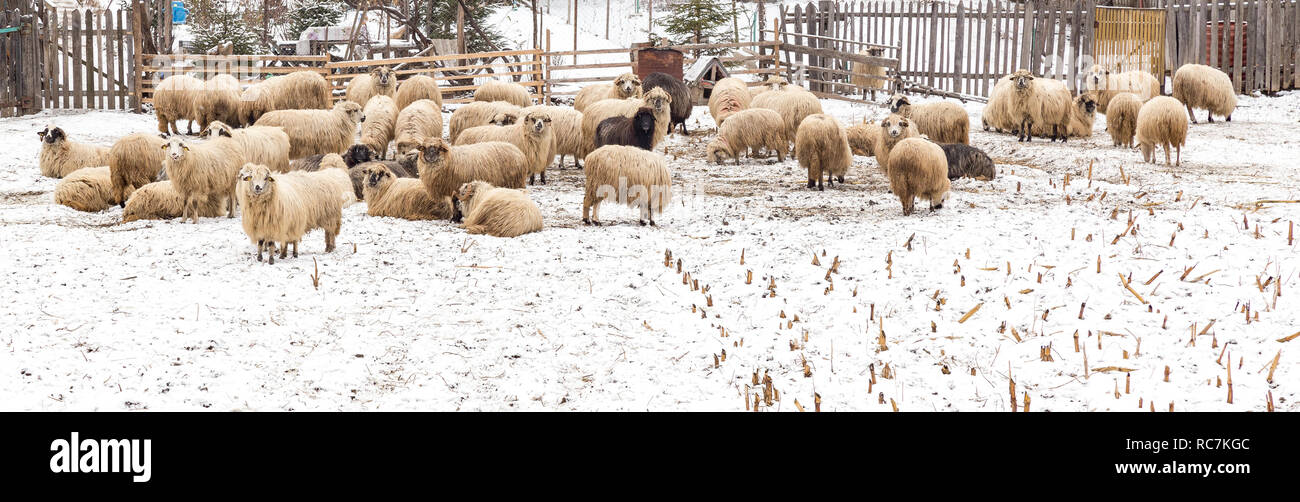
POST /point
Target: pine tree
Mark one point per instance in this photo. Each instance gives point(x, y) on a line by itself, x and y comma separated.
point(219, 27)
point(311, 13)
point(698, 22)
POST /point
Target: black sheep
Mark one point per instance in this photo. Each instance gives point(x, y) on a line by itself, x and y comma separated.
point(637, 130)
point(681, 96)
point(968, 161)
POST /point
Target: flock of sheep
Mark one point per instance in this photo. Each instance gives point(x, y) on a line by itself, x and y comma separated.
point(291, 160)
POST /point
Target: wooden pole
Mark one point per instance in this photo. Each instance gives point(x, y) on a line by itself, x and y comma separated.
point(606, 19)
point(460, 31)
point(735, 26)
point(650, 27)
point(575, 31)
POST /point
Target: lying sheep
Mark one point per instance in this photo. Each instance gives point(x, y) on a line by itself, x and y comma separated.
point(476, 114)
point(729, 95)
point(863, 138)
point(1083, 112)
point(509, 92)
point(380, 81)
point(968, 161)
point(918, 168)
point(202, 171)
point(444, 168)
point(220, 101)
point(60, 156)
point(1161, 122)
point(1121, 118)
point(749, 130)
point(793, 105)
point(657, 99)
point(161, 201)
point(282, 207)
point(177, 98)
point(943, 121)
point(87, 189)
point(567, 124)
point(265, 145)
point(300, 90)
point(499, 212)
point(1100, 82)
point(893, 129)
point(627, 85)
point(1041, 101)
point(823, 148)
point(133, 162)
point(679, 94)
point(999, 113)
point(627, 175)
point(532, 135)
point(381, 123)
point(1200, 86)
point(862, 72)
point(387, 194)
point(416, 88)
point(637, 130)
point(317, 131)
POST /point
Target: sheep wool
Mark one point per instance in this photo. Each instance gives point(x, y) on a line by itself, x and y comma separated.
point(476, 114)
point(1083, 112)
point(1040, 101)
point(1161, 122)
point(265, 145)
point(680, 94)
point(1207, 88)
point(657, 99)
point(638, 130)
point(793, 105)
point(532, 136)
point(999, 113)
point(220, 101)
point(444, 168)
point(823, 148)
point(1121, 118)
point(380, 124)
point(60, 156)
point(87, 189)
point(499, 212)
point(729, 95)
point(282, 207)
point(134, 161)
point(389, 195)
point(567, 126)
point(177, 98)
point(968, 161)
point(160, 201)
point(918, 169)
point(749, 130)
point(626, 175)
point(1105, 85)
point(510, 92)
point(893, 129)
point(417, 123)
point(380, 81)
point(203, 170)
point(627, 85)
point(943, 121)
point(862, 73)
point(863, 138)
point(300, 90)
point(316, 131)
point(416, 88)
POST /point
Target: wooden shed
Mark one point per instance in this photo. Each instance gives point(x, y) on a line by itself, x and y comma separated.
point(701, 76)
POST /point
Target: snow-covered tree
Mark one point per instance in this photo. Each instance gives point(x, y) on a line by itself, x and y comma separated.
point(219, 27)
point(309, 13)
point(442, 24)
point(698, 21)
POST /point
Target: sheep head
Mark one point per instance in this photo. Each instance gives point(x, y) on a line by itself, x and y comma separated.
point(358, 154)
point(382, 74)
point(52, 135)
point(899, 104)
point(377, 175)
point(352, 110)
point(719, 150)
point(257, 179)
point(628, 84)
point(1098, 77)
point(467, 191)
point(644, 120)
point(1086, 104)
point(504, 118)
point(1023, 80)
point(537, 122)
point(896, 126)
point(658, 99)
point(175, 147)
point(434, 152)
point(217, 128)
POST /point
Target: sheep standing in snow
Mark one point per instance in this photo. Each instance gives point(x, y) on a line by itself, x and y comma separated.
point(968, 161)
point(749, 130)
point(417, 123)
point(567, 124)
point(1161, 122)
point(863, 138)
point(87, 189)
point(627, 85)
point(679, 94)
point(478, 113)
point(416, 88)
point(444, 168)
point(177, 98)
point(999, 113)
point(282, 207)
point(532, 135)
point(380, 124)
point(823, 148)
point(657, 99)
point(628, 175)
point(862, 72)
point(1105, 85)
point(220, 101)
point(60, 156)
point(1121, 118)
point(918, 168)
point(637, 130)
point(134, 161)
point(793, 105)
point(300, 90)
point(317, 131)
point(499, 212)
point(202, 171)
point(387, 194)
point(265, 145)
point(729, 95)
point(1041, 101)
point(942, 121)
point(1205, 87)
point(893, 129)
point(1083, 111)
point(509, 92)
point(380, 81)
point(161, 201)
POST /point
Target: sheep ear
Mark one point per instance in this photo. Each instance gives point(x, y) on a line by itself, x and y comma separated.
point(185, 147)
point(224, 132)
point(41, 134)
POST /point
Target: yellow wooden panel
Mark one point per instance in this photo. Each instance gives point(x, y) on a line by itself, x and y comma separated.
point(1130, 39)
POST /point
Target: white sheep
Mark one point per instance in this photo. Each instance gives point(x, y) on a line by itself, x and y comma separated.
point(500, 212)
point(942, 121)
point(389, 195)
point(626, 175)
point(161, 201)
point(1207, 88)
point(567, 124)
point(510, 92)
point(1041, 101)
point(380, 81)
point(317, 131)
point(1105, 85)
point(87, 189)
point(823, 148)
point(265, 145)
point(729, 96)
point(749, 130)
point(1121, 118)
point(177, 98)
point(416, 88)
point(134, 161)
point(60, 156)
point(444, 168)
point(282, 207)
point(380, 124)
point(202, 171)
point(627, 85)
point(532, 135)
point(1162, 122)
point(416, 123)
point(300, 90)
point(476, 114)
point(918, 168)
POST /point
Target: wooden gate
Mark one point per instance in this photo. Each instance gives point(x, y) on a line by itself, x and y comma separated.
point(19, 78)
point(1131, 39)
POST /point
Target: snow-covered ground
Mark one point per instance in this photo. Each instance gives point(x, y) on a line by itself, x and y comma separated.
point(164, 315)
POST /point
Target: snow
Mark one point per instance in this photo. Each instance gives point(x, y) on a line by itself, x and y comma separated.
point(166, 315)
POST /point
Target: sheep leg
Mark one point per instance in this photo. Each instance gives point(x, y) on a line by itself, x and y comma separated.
point(532, 179)
point(270, 255)
point(260, 245)
point(329, 242)
point(1179, 156)
point(295, 247)
point(1209, 116)
point(1190, 114)
point(456, 215)
point(1167, 159)
point(284, 250)
point(1065, 133)
point(1229, 118)
point(543, 177)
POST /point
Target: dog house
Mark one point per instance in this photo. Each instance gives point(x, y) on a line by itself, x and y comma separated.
point(701, 76)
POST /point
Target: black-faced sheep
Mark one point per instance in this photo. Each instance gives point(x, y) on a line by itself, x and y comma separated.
point(1207, 88)
point(87, 189)
point(918, 168)
point(380, 81)
point(626, 175)
point(793, 105)
point(177, 98)
point(317, 131)
point(133, 162)
point(968, 161)
point(300, 90)
point(265, 145)
point(729, 95)
point(160, 201)
point(220, 101)
point(60, 156)
point(444, 168)
point(893, 129)
point(749, 130)
point(999, 114)
point(509, 92)
point(823, 148)
point(1161, 122)
point(1041, 101)
point(380, 124)
point(1104, 85)
point(627, 85)
point(476, 114)
point(532, 135)
point(387, 194)
point(942, 121)
point(416, 88)
point(657, 99)
point(637, 130)
point(282, 207)
point(202, 171)
point(567, 124)
point(863, 138)
point(1121, 118)
point(499, 212)
point(1083, 111)
point(681, 97)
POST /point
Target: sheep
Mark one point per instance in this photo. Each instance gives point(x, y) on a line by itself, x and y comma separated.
point(943, 121)
point(499, 212)
point(476, 114)
point(380, 124)
point(627, 175)
point(87, 189)
point(532, 135)
point(220, 101)
point(863, 138)
point(1105, 86)
point(380, 81)
point(416, 88)
point(317, 131)
point(1161, 122)
point(749, 129)
point(627, 85)
point(1040, 101)
point(1082, 114)
point(356, 154)
point(387, 194)
point(416, 123)
point(300, 90)
point(893, 129)
point(1200, 86)
point(729, 95)
point(657, 99)
point(176, 98)
point(1121, 118)
point(793, 105)
point(999, 113)
point(681, 97)
point(133, 162)
point(510, 92)
point(265, 145)
point(823, 147)
point(861, 72)
point(60, 156)
point(443, 168)
point(203, 171)
point(638, 130)
point(161, 201)
point(919, 168)
point(282, 208)
point(346, 180)
point(968, 161)
point(567, 124)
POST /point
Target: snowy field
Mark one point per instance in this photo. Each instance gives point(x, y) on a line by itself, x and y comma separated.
point(164, 315)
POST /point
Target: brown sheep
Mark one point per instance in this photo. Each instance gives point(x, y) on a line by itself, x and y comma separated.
point(918, 168)
point(863, 138)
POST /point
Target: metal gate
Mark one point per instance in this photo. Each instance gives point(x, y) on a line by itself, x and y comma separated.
point(1130, 39)
point(19, 84)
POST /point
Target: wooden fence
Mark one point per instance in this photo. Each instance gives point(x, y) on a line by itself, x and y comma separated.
point(455, 73)
point(88, 56)
point(1256, 42)
point(153, 68)
point(760, 59)
point(19, 56)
